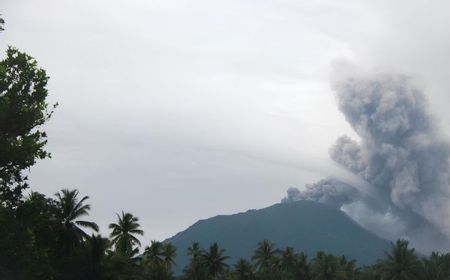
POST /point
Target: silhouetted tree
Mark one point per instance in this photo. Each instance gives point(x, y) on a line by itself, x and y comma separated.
point(243, 270)
point(195, 270)
point(264, 255)
point(123, 234)
point(214, 261)
point(71, 232)
point(23, 109)
point(401, 263)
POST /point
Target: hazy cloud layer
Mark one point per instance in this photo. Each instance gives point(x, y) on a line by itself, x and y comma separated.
point(401, 154)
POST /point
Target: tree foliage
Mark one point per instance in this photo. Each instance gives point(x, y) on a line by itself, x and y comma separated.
point(23, 110)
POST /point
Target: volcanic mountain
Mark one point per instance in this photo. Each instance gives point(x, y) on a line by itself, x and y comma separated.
point(307, 226)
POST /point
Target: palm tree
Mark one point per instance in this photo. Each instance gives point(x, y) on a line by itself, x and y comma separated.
point(195, 270)
point(70, 209)
point(288, 259)
point(301, 266)
point(401, 263)
point(153, 254)
point(437, 266)
point(95, 254)
point(123, 234)
point(214, 261)
point(169, 253)
point(264, 255)
point(325, 267)
point(349, 268)
point(154, 260)
point(243, 270)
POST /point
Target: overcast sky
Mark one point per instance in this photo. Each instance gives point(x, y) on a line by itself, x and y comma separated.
point(181, 110)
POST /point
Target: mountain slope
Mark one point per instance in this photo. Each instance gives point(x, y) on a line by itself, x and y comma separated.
point(305, 225)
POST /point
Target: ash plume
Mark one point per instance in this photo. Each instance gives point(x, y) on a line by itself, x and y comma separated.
point(400, 154)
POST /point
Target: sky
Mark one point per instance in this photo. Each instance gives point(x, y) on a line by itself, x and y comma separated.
point(177, 110)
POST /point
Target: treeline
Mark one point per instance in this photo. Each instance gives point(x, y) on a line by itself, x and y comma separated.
point(46, 238)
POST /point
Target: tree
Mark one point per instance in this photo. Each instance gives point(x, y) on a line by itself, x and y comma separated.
point(243, 270)
point(264, 255)
point(288, 260)
point(401, 263)
point(325, 267)
point(2, 22)
point(348, 268)
point(214, 261)
point(195, 270)
point(70, 210)
point(301, 267)
point(94, 257)
point(124, 234)
point(23, 110)
point(169, 254)
point(159, 258)
point(27, 242)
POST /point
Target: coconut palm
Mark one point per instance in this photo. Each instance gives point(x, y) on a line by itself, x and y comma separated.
point(169, 253)
point(94, 256)
point(401, 263)
point(195, 270)
point(348, 268)
point(243, 270)
point(301, 266)
point(123, 234)
point(153, 260)
point(264, 255)
point(288, 259)
point(325, 267)
point(214, 261)
point(153, 254)
point(70, 209)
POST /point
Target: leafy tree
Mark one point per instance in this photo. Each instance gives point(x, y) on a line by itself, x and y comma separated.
point(401, 263)
point(23, 110)
point(2, 22)
point(70, 210)
point(124, 234)
point(27, 240)
point(214, 261)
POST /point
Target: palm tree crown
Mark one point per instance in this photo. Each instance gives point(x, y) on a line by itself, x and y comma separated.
point(401, 263)
point(123, 234)
point(214, 261)
point(264, 255)
point(70, 210)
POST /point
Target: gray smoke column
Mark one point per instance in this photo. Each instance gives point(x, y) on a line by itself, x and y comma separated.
point(400, 154)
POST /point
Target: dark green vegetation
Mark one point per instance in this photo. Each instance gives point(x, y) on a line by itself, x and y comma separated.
point(305, 225)
point(52, 238)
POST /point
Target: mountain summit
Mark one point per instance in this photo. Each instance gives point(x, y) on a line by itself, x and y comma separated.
point(307, 226)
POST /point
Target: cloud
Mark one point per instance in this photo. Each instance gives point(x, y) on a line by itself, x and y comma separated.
point(400, 154)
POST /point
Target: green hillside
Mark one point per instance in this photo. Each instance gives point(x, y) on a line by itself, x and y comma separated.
point(305, 225)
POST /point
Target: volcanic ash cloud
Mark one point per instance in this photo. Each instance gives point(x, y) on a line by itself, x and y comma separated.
point(400, 155)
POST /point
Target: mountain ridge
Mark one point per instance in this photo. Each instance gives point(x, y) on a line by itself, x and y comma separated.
point(306, 226)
